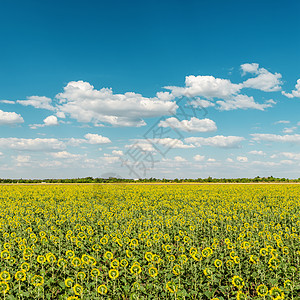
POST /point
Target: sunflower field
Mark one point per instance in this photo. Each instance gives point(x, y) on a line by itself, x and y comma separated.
point(137, 241)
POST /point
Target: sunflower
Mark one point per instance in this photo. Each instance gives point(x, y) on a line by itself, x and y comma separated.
point(124, 263)
point(206, 252)
point(37, 280)
point(273, 263)
point(20, 275)
point(218, 263)
point(95, 273)
point(69, 282)
point(263, 251)
point(262, 290)
point(102, 289)
point(76, 262)
point(114, 264)
point(177, 270)
point(152, 271)
point(4, 287)
point(113, 273)
point(70, 254)
point(238, 282)
point(135, 269)
point(108, 255)
point(81, 276)
point(25, 266)
point(4, 276)
point(276, 293)
point(148, 256)
point(78, 289)
point(62, 263)
point(5, 254)
point(41, 259)
point(171, 287)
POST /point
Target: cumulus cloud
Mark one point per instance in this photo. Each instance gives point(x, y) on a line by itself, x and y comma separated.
point(292, 138)
point(96, 139)
point(289, 129)
point(218, 141)
point(22, 158)
point(199, 157)
point(202, 103)
point(211, 160)
point(295, 92)
point(37, 144)
point(179, 159)
point(49, 121)
point(118, 152)
point(256, 152)
point(264, 81)
point(242, 159)
point(10, 118)
point(65, 155)
point(250, 68)
point(206, 86)
point(86, 104)
point(194, 124)
point(38, 102)
point(242, 102)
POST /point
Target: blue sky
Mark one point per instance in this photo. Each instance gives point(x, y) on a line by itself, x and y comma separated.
point(85, 85)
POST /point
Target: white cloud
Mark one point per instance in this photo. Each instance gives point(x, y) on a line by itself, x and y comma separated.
point(229, 159)
point(172, 143)
point(96, 139)
point(65, 155)
point(295, 92)
point(242, 159)
point(250, 68)
point(219, 141)
point(7, 102)
point(264, 163)
point(143, 145)
point(37, 102)
point(111, 159)
point(293, 138)
point(282, 122)
point(50, 164)
point(264, 81)
point(164, 96)
point(289, 129)
point(60, 114)
point(86, 104)
point(199, 157)
point(31, 144)
point(211, 160)
point(256, 152)
point(118, 152)
point(202, 103)
point(179, 159)
point(206, 86)
point(49, 121)
point(10, 118)
point(290, 155)
point(22, 158)
point(195, 124)
point(242, 102)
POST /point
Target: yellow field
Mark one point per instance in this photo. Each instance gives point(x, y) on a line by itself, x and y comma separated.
point(150, 242)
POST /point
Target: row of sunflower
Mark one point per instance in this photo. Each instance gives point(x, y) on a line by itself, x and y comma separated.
point(149, 242)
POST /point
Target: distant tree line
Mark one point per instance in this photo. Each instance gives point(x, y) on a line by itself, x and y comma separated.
point(209, 179)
